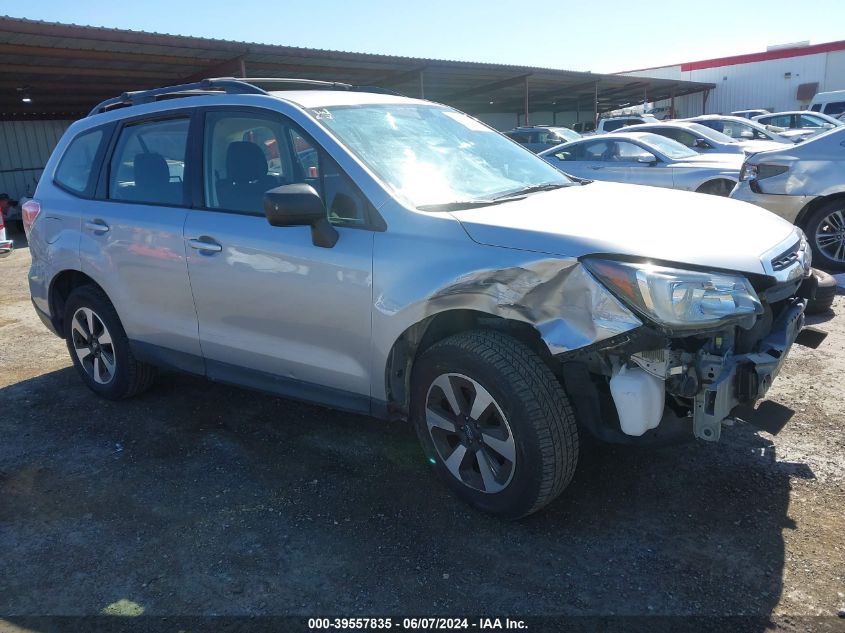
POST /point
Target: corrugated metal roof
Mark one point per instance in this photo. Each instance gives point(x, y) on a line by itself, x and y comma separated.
point(68, 68)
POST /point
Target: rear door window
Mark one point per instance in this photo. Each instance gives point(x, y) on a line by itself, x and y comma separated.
point(610, 126)
point(592, 151)
point(148, 163)
point(837, 107)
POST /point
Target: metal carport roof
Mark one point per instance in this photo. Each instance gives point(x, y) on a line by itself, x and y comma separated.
point(65, 69)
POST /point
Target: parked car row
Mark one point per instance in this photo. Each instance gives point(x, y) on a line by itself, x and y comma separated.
point(793, 162)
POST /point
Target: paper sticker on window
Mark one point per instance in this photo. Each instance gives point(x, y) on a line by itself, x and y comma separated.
point(467, 121)
point(322, 114)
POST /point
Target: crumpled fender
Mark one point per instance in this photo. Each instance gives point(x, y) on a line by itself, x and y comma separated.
point(558, 296)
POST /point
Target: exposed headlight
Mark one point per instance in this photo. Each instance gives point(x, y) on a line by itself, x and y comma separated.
point(675, 298)
point(761, 171)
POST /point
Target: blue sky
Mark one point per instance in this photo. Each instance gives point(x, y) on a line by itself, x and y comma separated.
point(603, 36)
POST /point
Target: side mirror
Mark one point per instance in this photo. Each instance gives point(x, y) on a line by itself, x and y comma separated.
point(702, 144)
point(648, 159)
point(300, 205)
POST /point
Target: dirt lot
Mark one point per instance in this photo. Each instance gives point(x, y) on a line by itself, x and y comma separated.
point(199, 498)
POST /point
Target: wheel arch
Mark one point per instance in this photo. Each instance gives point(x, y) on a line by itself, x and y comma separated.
point(712, 181)
point(816, 203)
point(61, 287)
point(420, 336)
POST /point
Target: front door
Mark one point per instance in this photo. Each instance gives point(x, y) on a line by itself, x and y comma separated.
point(275, 311)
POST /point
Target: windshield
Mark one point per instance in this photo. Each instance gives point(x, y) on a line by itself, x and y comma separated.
point(432, 155)
point(668, 147)
point(710, 134)
point(566, 134)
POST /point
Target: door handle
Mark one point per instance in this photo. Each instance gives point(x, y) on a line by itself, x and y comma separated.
point(205, 244)
point(97, 226)
point(596, 167)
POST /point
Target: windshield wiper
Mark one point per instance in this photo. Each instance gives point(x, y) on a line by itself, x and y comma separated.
point(457, 205)
point(546, 186)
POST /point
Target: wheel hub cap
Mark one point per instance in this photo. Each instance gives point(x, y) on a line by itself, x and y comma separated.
point(92, 343)
point(470, 432)
point(830, 236)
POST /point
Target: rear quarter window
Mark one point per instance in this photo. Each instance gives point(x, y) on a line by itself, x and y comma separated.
point(77, 164)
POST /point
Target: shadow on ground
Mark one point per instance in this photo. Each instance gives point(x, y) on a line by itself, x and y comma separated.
point(199, 498)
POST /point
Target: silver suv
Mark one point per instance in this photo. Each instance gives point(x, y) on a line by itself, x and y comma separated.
point(398, 258)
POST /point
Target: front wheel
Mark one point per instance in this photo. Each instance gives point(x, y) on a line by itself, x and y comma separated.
point(495, 422)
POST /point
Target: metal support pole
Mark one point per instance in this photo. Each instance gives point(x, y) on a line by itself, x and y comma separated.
point(422, 86)
point(596, 104)
point(243, 67)
point(672, 113)
point(705, 95)
point(526, 102)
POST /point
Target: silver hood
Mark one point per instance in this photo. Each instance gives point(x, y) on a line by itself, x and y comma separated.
point(720, 160)
point(647, 222)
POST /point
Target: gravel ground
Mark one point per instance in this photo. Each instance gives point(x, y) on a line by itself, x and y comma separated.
point(198, 498)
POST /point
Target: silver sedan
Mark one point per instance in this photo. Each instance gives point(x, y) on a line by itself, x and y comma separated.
point(642, 158)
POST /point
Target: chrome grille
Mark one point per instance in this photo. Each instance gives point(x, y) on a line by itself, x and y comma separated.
point(787, 258)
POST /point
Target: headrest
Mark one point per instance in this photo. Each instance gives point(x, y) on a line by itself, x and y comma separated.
point(151, 170)
point(245, 162)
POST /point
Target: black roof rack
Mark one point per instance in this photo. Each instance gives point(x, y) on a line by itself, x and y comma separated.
point(228, 85)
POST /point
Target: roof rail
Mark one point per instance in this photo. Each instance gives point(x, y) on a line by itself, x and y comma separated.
point(229, 85)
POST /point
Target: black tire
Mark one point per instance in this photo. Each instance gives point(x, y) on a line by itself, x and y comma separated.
point(825, 292)
point(540, 418)
point(130, 377)
point(811, 226)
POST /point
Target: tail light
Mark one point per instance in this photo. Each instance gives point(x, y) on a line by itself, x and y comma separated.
point(29, 212)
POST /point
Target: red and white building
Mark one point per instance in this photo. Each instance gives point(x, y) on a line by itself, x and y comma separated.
point(780, 78)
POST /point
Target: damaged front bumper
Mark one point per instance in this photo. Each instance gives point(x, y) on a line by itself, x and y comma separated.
point(735, 379)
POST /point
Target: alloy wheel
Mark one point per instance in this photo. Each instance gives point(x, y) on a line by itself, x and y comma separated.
point(470, 433)
point(93, 345)
point(830, 236)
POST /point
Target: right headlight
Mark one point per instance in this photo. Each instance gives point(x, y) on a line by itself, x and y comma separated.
point(760, 171)
point(677, 298)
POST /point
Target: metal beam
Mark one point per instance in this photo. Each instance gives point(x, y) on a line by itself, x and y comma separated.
point(401, 77)
point(88, 72)
point(119, 56)
point(231, 66)
point(491, 87)
point(526, 102)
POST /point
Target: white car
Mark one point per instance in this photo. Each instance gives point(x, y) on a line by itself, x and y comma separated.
point(799, 125)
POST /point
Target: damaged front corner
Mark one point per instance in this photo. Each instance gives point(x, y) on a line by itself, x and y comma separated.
point(559, 297)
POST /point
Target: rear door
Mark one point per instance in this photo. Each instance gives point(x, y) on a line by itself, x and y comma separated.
point(275, 311)
point(132, 237)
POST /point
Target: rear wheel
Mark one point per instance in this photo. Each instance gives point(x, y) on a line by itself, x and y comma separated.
point(99, 347)
point(825, 229)
point(495, 422)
